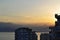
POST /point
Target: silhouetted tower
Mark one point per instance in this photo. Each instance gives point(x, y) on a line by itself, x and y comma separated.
point(57, 27)
point(55, 31)
point(25, 34)
point(57, 17)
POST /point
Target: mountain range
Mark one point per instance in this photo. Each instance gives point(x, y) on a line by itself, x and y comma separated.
point(11, 27)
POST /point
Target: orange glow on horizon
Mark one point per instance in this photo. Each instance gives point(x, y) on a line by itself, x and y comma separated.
point(34, 20)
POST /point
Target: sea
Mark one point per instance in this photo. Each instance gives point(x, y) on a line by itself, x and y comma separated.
point(7, 36)
point(11, 35)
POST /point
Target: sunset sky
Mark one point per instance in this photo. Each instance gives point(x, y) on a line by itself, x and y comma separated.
point(29, 11)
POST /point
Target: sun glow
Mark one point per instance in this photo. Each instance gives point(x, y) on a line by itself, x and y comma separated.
point(57, 11)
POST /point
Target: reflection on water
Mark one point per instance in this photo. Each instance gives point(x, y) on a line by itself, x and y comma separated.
point(11, 35)
point(39, 33)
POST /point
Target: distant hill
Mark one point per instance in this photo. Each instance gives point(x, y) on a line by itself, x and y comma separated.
point(10, 27)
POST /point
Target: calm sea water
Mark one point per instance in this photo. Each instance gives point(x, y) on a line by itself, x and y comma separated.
point(7, 36)
point(11, 36)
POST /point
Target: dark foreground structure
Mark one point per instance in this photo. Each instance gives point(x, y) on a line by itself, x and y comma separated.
point(55, 31)
point(25, 34)
point(44, 36)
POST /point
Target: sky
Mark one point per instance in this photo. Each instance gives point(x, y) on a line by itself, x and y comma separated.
point(29, 11)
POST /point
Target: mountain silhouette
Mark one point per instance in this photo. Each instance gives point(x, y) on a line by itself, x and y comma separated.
point(11, 27)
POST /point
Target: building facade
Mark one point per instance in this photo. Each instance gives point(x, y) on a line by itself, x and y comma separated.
point(25, 34)
point(55, 31)
point(44, 36)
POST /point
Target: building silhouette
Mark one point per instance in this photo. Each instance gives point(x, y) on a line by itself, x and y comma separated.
point(44, 36)
point(55, 31)
point(25, 34)
point(51, 33)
